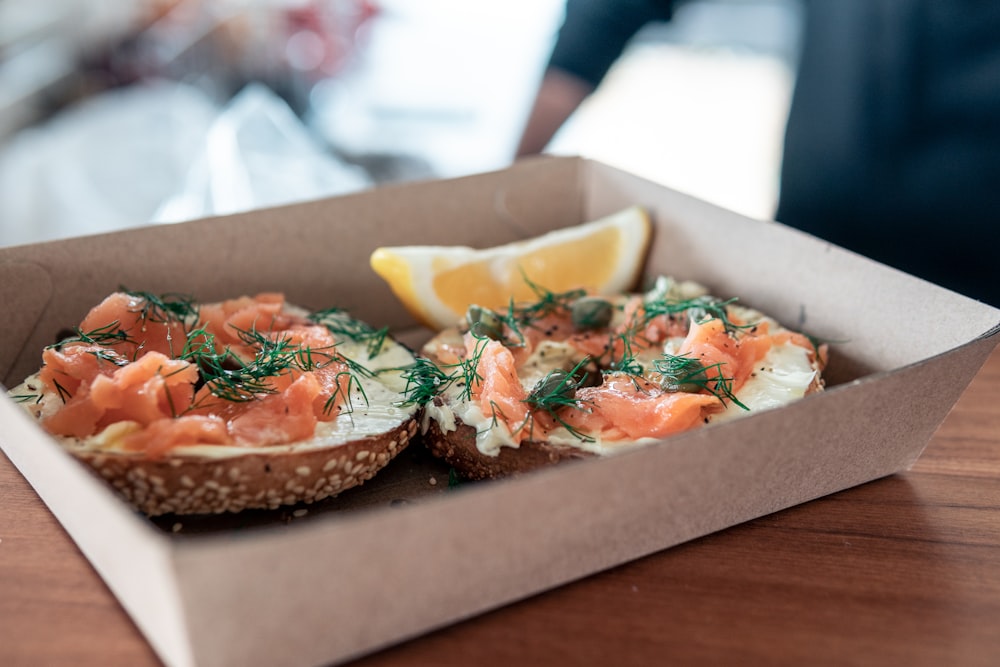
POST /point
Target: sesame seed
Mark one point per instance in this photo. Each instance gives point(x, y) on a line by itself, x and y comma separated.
point(300, 512)
point(176, 527)
point(361, 456)
point(330, 465)
point(433, 481)
point(187, 481)
point(304, 471)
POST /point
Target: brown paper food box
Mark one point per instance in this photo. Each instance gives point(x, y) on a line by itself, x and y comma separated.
point(400, 555)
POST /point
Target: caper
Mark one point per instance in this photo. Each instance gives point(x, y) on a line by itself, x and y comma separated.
point(591, 312)
point(681, 374)
point(708, 308)
point(556, 386)
point(671, 385)
point(484, 323)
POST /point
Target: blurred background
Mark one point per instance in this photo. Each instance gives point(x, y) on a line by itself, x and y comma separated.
point(118, 114)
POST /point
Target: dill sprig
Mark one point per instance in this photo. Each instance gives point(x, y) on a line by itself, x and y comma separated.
point(352, 383)
point(230, 378)
point(687, 374)
point(629, 362)
point(27, 398)
point(557, 391)
point(165, 308)
point(468, 369)
point(340, 323)
point(424, 381)
point(110, 356)
point(64, 393)
point(106, 336)
point(699, 309)
point(548, 302)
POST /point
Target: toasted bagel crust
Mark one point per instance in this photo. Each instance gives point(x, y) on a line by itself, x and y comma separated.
point(259, 479)
point(458, 449)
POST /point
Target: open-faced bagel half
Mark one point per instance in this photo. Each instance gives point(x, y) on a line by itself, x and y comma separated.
point(190, 408)
point(573, 376)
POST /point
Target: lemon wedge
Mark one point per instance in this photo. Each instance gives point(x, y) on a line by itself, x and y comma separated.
point(436, 284)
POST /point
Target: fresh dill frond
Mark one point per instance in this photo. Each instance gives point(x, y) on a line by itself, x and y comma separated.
point(230, 378)
point(687, 374)
point(468, 369)
point(629, 362)
point(340, 323)
point(64, 394)
point(110, 356)
point(352, 383)
point(511, 319)
point(27, 398)
point(547, 303)
point(557, 391)
point(165, 308)
point(356, 367)
point(424, 381)
point(108, 335)
point(699, 309)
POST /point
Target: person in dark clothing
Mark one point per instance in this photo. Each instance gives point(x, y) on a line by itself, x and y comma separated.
point(892, 144)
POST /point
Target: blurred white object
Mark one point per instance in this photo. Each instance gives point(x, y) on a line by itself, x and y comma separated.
point(102, 165)
point(160, 153)
point(449, 81)
point(257, 154)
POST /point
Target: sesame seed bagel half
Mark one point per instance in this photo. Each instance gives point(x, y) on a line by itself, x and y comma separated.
point(252, 403)
point(574, 376)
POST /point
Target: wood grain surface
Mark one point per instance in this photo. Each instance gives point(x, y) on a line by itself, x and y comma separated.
point(901, 571)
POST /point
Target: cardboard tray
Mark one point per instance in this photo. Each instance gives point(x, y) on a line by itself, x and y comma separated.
point(403, 555)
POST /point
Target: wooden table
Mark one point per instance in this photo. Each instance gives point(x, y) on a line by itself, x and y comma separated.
point(901, 571)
